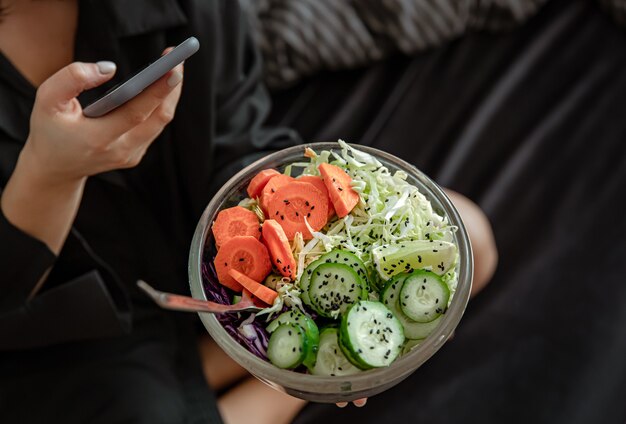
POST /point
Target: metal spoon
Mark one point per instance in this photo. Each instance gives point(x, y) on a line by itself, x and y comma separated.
point(189, 304)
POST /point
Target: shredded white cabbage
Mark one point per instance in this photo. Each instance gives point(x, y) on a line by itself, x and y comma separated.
point(391, 209)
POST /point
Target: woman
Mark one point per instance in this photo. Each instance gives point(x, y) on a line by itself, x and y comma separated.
point(89, 206)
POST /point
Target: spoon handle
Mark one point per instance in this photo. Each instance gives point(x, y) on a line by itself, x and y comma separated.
point(177, 302)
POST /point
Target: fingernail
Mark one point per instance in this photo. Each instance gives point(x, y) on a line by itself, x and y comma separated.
point(106, 67)
point(342, 404)
point(360, 402)
point(175, 79)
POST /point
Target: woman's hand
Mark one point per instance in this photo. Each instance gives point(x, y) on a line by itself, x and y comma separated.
point(358, 403)
point(64, 145)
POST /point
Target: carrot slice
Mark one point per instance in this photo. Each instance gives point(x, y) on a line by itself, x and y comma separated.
point(259, 181)
point(266, 294)
point(245, 254)
point(276, 241)
point(233, 222)
point(342, 195)
point(270, 189)
point(294, 202)
point(319, 184)
point(257, 302)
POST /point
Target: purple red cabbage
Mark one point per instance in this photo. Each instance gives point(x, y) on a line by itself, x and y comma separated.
point(253, 336)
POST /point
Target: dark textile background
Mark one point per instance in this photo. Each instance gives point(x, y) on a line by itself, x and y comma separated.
point(530, 125)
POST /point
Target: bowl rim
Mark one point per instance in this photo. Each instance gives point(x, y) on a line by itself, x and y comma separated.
point(401, 367)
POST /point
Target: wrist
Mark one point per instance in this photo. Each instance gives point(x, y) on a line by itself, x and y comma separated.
point(41, 206)
point(36, 173)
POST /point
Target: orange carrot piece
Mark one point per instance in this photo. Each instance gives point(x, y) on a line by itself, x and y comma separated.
point(270, 189)
point(245, 254)
point(257, 302)
point(233, 222)
point(276, 241)
point(260, 181)
point(318, 182)
point(264, 293)
point(342, 195)
point(294, 202)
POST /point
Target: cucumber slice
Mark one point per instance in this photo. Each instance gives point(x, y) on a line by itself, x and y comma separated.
point(272, 280)
point(287, 346)
point(410, 344)
point(336, 256)
point(424, 296)
point(305, 281)
point(236, 299)
point(392, 259)
point(330, 358)
point(334, 287)
point(295, 317)
point(390, 296)
point(371, 334)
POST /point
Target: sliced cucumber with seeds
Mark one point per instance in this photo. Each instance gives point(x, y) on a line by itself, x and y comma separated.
point(334, 287)
point(336, 256)
point(424, 296)
point(272, 280)
point(391, 296)
point(371, 335)
point(305, 280)
point(295, 317)
point(287, 346)
point(330, 358)
point(408, 256)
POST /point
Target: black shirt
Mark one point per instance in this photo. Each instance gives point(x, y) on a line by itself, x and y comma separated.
point(134, 223)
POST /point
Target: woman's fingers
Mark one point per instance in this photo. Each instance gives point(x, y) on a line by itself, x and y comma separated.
point(139, 109)
point(137, 140)
point(62, 87)
point(358, 403)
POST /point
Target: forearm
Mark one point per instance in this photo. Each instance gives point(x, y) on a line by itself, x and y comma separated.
point(38, 206)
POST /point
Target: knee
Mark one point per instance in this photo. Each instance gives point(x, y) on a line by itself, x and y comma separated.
point(481, 237)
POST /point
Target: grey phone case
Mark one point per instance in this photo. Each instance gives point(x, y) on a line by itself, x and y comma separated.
point(125, 91)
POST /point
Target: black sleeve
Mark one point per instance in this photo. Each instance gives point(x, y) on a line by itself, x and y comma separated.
point(219, 124)
point(23, 262)
point(242, 101)
point(50, 317)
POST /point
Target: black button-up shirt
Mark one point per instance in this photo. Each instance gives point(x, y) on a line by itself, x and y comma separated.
point(134, 223)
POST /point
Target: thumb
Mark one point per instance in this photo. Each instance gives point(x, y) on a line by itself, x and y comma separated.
point(72, 80)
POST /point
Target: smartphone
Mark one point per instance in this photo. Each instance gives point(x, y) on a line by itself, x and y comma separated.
point(136, 83)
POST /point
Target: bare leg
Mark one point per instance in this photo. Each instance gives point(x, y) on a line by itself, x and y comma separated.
point(253, 401)
point(481, 237)
point(219, 369)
